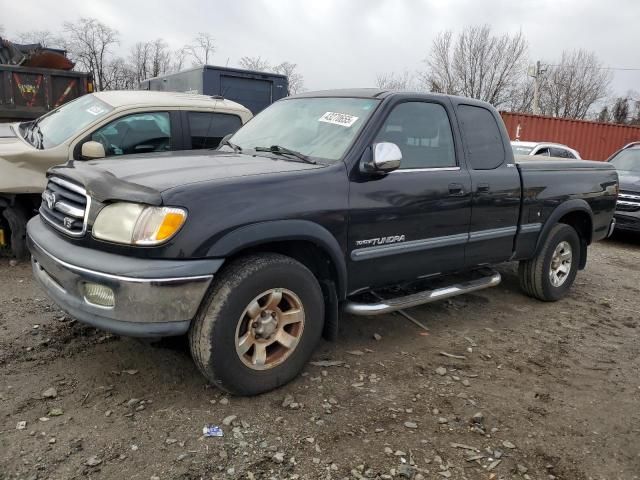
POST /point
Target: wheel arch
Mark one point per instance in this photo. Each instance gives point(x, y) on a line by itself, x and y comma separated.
point(308, 242)
point(576, 213)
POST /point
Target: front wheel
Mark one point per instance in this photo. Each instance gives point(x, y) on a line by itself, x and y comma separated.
point(16, 217)
point(259, 324)
point(549, 275)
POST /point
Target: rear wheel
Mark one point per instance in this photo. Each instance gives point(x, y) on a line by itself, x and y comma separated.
point(259, 324)
point(549, 275)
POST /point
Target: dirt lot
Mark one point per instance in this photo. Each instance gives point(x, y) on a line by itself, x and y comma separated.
point(557, 386)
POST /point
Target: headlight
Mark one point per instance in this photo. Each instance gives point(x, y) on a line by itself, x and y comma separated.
point(135, 224)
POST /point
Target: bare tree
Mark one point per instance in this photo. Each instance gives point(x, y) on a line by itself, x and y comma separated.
point(202, 48)
point(477, 64)
point(139, 60)
point(440, 76)
point(521, 97)
point(160, 58)
point(620, 110)
point(90, 43)
point(43, 37)
point(120, 75)
point(255, 63)
point(295, 78)
point(572, 87)
point(635, 119)
point(393, 81)
point(177, 59)
point(604, 116)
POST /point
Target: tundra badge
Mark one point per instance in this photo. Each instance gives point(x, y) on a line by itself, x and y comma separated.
point(380, 240)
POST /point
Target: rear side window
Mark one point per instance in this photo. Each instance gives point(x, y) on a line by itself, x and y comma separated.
point(207, 129)
point(482, 137)
point(561, 153)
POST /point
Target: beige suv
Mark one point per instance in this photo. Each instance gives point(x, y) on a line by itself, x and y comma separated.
point(104, 124)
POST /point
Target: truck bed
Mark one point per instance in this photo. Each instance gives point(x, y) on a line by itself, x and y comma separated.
point(550, 182)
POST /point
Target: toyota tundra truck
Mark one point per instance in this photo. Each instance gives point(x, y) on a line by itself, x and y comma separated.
point(358, 201)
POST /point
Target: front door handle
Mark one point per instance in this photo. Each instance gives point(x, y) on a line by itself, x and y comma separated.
point(456, 189)
point(483, 188)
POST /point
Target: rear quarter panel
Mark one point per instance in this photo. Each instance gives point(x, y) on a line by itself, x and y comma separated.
point(549, 184)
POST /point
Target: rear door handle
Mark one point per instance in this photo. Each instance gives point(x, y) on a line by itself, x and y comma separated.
point(483, 188)
point(456, 189)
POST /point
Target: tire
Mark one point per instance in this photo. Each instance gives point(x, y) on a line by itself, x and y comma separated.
point(536, 279)
point(229, 313)
point(17, 217)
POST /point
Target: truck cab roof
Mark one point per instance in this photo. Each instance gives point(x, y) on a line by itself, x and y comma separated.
point(381, 93)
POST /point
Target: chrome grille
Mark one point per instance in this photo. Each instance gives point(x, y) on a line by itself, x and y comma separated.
point(65, 206)
point(628, 201)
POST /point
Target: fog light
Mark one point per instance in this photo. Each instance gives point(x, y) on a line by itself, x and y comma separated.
point(99, 295)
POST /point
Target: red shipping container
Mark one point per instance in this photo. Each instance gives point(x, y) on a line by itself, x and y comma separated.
point(593, 140)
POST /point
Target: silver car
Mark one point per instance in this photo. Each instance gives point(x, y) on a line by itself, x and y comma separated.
point(544, 148)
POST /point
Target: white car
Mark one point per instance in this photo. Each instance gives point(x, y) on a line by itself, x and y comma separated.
point(544, 148)
point(97, 125)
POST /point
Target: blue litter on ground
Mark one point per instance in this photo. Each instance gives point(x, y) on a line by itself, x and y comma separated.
point(212, 431)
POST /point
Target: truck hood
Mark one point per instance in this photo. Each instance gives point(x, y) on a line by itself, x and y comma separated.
point(629, 181)
point(142, 178)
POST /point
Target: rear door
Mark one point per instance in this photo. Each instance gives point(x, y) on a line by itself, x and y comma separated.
point(413, 221)
point(495, 186)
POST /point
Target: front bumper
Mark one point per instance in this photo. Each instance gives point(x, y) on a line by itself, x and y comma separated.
point(152, 298)
point(629, 221)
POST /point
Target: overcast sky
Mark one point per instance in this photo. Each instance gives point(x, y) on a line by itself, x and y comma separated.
point(344, 43)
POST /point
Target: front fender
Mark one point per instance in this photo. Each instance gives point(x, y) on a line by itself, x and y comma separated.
point(282, 230)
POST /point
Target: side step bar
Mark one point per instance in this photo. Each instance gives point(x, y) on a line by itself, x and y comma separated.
point(420, 298)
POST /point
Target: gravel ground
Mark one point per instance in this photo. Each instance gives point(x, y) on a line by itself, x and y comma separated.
point(543, 391)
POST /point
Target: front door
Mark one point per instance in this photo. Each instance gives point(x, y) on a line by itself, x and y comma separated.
point(414, 221)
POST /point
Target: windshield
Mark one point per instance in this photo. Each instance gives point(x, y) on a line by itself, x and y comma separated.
point(627, 160)
point(521, 150)
point(321, 128)
point(64, 122)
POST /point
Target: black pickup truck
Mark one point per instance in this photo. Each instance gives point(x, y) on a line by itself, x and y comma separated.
point(318, 203)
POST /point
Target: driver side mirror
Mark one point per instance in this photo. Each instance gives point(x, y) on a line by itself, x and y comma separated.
point(226, 137)
point(385, 158)
point(92, 150)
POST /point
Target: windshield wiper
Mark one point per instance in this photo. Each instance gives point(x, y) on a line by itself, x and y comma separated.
point(227, 142)
point(278, 150)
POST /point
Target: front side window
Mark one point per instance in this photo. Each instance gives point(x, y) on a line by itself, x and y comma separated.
point(64, 122)
point(207, 129)
point(321, 128)
point(135, 133)
point(422, 132)
point(627, 160)
point(544, 151)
